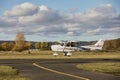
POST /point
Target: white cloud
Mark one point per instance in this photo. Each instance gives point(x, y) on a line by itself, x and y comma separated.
point(70, 33)
point(43, 8)
point(43, 16)
point(94, 31)
point(45, 21)
point(7, 22)
point(22, 10)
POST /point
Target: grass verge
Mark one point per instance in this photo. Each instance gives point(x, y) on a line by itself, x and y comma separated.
point(49, 55)
point(8, 73)
point(110, 68)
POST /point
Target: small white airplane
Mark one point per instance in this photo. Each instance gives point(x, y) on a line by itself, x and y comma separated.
point(68, 46)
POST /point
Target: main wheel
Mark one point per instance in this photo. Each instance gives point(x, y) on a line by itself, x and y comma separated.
point(65, 53)
point(69, 54)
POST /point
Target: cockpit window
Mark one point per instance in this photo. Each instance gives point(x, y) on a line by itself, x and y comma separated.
point(69, 44)
point(62, 44)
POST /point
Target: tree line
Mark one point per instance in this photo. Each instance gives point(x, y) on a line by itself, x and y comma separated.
point(20, 44)
point(112, 45)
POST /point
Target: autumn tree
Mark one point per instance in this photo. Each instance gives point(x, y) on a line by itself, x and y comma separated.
point(46, 45)
point(4, 46)
point(28, 45)
point(118, 44)
point(112, 45)
point(11, 46)
point(38, 45)
point(42, 45)
point(0, 47)
point(20, 42)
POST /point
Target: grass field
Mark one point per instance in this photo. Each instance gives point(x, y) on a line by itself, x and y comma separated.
point(49, 55)
point(111, 67)
point(8, 73)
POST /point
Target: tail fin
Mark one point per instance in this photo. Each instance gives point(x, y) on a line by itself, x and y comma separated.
point(100, 43)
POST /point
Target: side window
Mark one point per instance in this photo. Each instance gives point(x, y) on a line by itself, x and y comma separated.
point(62, 44)
point(68, 44)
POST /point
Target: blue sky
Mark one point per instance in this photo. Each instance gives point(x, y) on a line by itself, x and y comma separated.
point(51, 20)
point(64, 5)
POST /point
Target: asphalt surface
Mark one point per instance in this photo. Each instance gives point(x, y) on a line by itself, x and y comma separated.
point(58, 69)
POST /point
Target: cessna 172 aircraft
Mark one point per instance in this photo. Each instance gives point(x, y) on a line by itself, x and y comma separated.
point(68, 46)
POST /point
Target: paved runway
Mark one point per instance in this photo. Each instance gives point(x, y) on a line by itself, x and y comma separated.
point(58, 69)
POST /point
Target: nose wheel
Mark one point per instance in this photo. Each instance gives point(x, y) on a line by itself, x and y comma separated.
point(55, 54)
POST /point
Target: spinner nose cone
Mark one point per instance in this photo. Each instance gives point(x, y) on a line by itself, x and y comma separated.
point(53, 47)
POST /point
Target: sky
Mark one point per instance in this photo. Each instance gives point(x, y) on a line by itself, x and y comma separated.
point(55, 20)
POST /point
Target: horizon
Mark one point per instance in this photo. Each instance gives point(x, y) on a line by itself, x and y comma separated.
point(45, 20)
point(63, 40)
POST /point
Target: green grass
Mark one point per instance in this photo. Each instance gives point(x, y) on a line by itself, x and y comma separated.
point(8, 73)
point(49, 55)
point(6, 70)
point(12, 78)
point(110, 68)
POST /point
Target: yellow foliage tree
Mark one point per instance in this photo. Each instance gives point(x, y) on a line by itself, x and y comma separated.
point(20, 42)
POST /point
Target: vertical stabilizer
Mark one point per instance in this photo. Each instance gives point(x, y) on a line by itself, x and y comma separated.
point(100, 43)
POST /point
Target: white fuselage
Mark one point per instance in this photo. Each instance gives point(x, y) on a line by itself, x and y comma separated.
point(60, 48)
point(69, 47)
point(92, 47)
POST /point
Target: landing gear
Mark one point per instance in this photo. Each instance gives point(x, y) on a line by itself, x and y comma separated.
point(55, 54)
point(67, 54)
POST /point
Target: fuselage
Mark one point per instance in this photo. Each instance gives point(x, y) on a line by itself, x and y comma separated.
point(60, 48)
point(92, 47)
point(71, 47)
